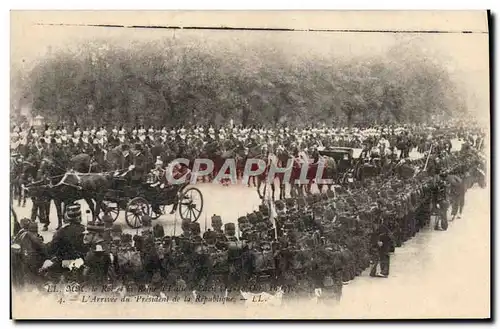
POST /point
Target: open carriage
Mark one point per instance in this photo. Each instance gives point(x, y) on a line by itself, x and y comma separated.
point(141, 199)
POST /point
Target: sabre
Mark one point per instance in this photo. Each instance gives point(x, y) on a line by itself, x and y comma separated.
point(428, 156)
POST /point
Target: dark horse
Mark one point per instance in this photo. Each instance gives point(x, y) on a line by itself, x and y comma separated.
point(65, 188)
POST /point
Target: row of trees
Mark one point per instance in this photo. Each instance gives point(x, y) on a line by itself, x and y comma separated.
point(171, 83)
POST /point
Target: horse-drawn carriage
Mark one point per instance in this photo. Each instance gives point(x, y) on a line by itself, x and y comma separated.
point(344, 159)
point(140, 198)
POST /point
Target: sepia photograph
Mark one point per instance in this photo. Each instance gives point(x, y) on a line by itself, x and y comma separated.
point(250, 165)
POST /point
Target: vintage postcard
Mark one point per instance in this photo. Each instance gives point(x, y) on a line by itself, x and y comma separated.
point(250, 165)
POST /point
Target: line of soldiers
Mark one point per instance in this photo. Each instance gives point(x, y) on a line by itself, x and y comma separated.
point(381, 139)
point(319, 241)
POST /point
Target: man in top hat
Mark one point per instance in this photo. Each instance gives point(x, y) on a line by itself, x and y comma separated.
point(139, 162)
point(67, 243)
point(382, 246)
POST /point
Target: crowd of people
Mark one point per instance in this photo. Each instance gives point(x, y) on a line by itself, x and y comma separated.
point(303, 243)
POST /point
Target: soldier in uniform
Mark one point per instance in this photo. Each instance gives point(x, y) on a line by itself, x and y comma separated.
point(383, 245)
point(146, 246)
point(39, 207)
point(97, 264)
point(21, 249)
point(440, 201)
point(457, 196)
point(32, 253)
point(67, 243)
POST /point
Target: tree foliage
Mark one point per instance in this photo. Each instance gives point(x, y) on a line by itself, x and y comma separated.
point(173, 83)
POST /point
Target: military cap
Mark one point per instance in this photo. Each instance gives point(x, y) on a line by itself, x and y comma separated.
point(264, 209)
point(216, 221)
point(229, 228)
point(185, 224)
point(259, 215)
point(210, 237)
point(290, 202)
point(24, 222)
point(242, 219)
point(74, 213)
point(252, 218)
point(245, 227)
point(195, 228)
point(280, 205)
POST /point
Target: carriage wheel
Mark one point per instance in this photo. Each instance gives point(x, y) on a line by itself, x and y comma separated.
point(154, 215)
point(191, 204)
point(112, 207)
point(136, 208)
